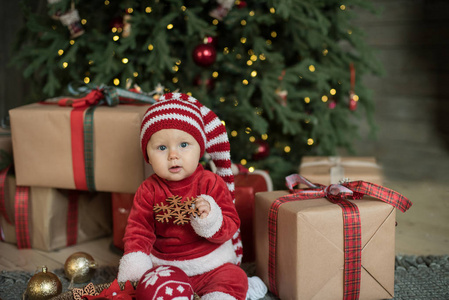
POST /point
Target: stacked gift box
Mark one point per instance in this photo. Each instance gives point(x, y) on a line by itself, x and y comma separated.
point(86, 162)
point(334, 169)
point(69, 157)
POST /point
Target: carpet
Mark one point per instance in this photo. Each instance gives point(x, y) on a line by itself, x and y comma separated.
point(416, 277)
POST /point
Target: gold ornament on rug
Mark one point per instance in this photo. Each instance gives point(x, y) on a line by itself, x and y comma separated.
point(43, 285)
point(79, 267)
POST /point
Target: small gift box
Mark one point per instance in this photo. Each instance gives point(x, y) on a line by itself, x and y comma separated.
point(96, 149)
point(247, 184)
point(333, 169)
point(49, 219)
point(121, 207)
point(328, 247)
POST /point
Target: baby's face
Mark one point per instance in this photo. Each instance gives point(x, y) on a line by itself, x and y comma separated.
point(173, 154)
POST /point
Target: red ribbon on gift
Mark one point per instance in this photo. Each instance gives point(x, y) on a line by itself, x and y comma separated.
point(21, 217)
point(339, 194)
point(81, 124)
point(21, 205)
point(80, 105)
point(3, 212)
point(90, 99)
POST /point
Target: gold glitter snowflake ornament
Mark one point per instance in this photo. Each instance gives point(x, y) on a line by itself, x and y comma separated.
point(176, 209)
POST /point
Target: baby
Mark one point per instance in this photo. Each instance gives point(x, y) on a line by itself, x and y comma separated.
point(175, 133)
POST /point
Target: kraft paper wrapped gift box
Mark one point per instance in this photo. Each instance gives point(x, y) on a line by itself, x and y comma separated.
point(310, 247)
point(47, 216)
point(331, 169)
point(41, 138)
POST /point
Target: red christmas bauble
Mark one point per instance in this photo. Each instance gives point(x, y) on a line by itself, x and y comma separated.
point(204, 55)
point(210, 40)
point(352, 101)
point(352, 104)
point(262, 150)
point(116, 22)
point(242, 4)
point(166, 282)
point(208, 82)
point(332, 104)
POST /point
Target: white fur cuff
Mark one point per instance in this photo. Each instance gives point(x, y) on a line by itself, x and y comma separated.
point(210, 225)
point(133, 265)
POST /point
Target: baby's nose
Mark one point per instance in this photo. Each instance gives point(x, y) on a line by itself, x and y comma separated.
point(173, 154)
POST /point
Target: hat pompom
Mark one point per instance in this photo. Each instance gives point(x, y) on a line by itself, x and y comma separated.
point(164, 282)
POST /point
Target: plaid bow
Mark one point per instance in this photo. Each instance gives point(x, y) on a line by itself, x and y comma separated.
point(338, 194)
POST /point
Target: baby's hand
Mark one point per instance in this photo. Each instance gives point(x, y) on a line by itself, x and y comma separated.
point(203, 207)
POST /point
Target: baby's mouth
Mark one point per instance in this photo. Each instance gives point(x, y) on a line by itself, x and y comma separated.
point(175, 169)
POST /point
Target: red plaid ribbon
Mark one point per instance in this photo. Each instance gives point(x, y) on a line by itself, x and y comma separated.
point(337, 194)
point(72, 218)
point(3, 212)
point(21, 217)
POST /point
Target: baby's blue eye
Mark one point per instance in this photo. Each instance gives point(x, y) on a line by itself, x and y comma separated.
point(184, 144)
point(162, 148)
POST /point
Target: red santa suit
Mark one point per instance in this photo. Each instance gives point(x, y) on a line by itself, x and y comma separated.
point(202, 249)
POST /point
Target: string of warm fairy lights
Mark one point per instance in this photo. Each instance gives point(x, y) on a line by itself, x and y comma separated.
point(252, 58)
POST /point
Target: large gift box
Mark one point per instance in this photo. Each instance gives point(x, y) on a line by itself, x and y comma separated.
point(62, 153)
point(53, 218)
point(333, 169)
point(308, 252)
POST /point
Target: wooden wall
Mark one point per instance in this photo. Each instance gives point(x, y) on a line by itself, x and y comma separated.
point(13, 87)
point(411, 38)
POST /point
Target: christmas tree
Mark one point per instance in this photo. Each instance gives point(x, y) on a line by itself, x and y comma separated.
point(280, 74)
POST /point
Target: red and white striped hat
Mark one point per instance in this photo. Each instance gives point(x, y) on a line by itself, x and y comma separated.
point(184, 112)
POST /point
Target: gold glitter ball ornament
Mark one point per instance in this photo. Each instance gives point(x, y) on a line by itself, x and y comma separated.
point(79, 267)
point(43, 285)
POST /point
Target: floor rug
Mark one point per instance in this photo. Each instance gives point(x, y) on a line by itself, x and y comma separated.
point(416, 277)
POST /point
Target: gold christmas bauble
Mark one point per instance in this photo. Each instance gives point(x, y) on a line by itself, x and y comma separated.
point(43, 285)
point(79, 267)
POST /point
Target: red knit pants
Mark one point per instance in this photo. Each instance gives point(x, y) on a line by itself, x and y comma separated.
point(228, 278)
